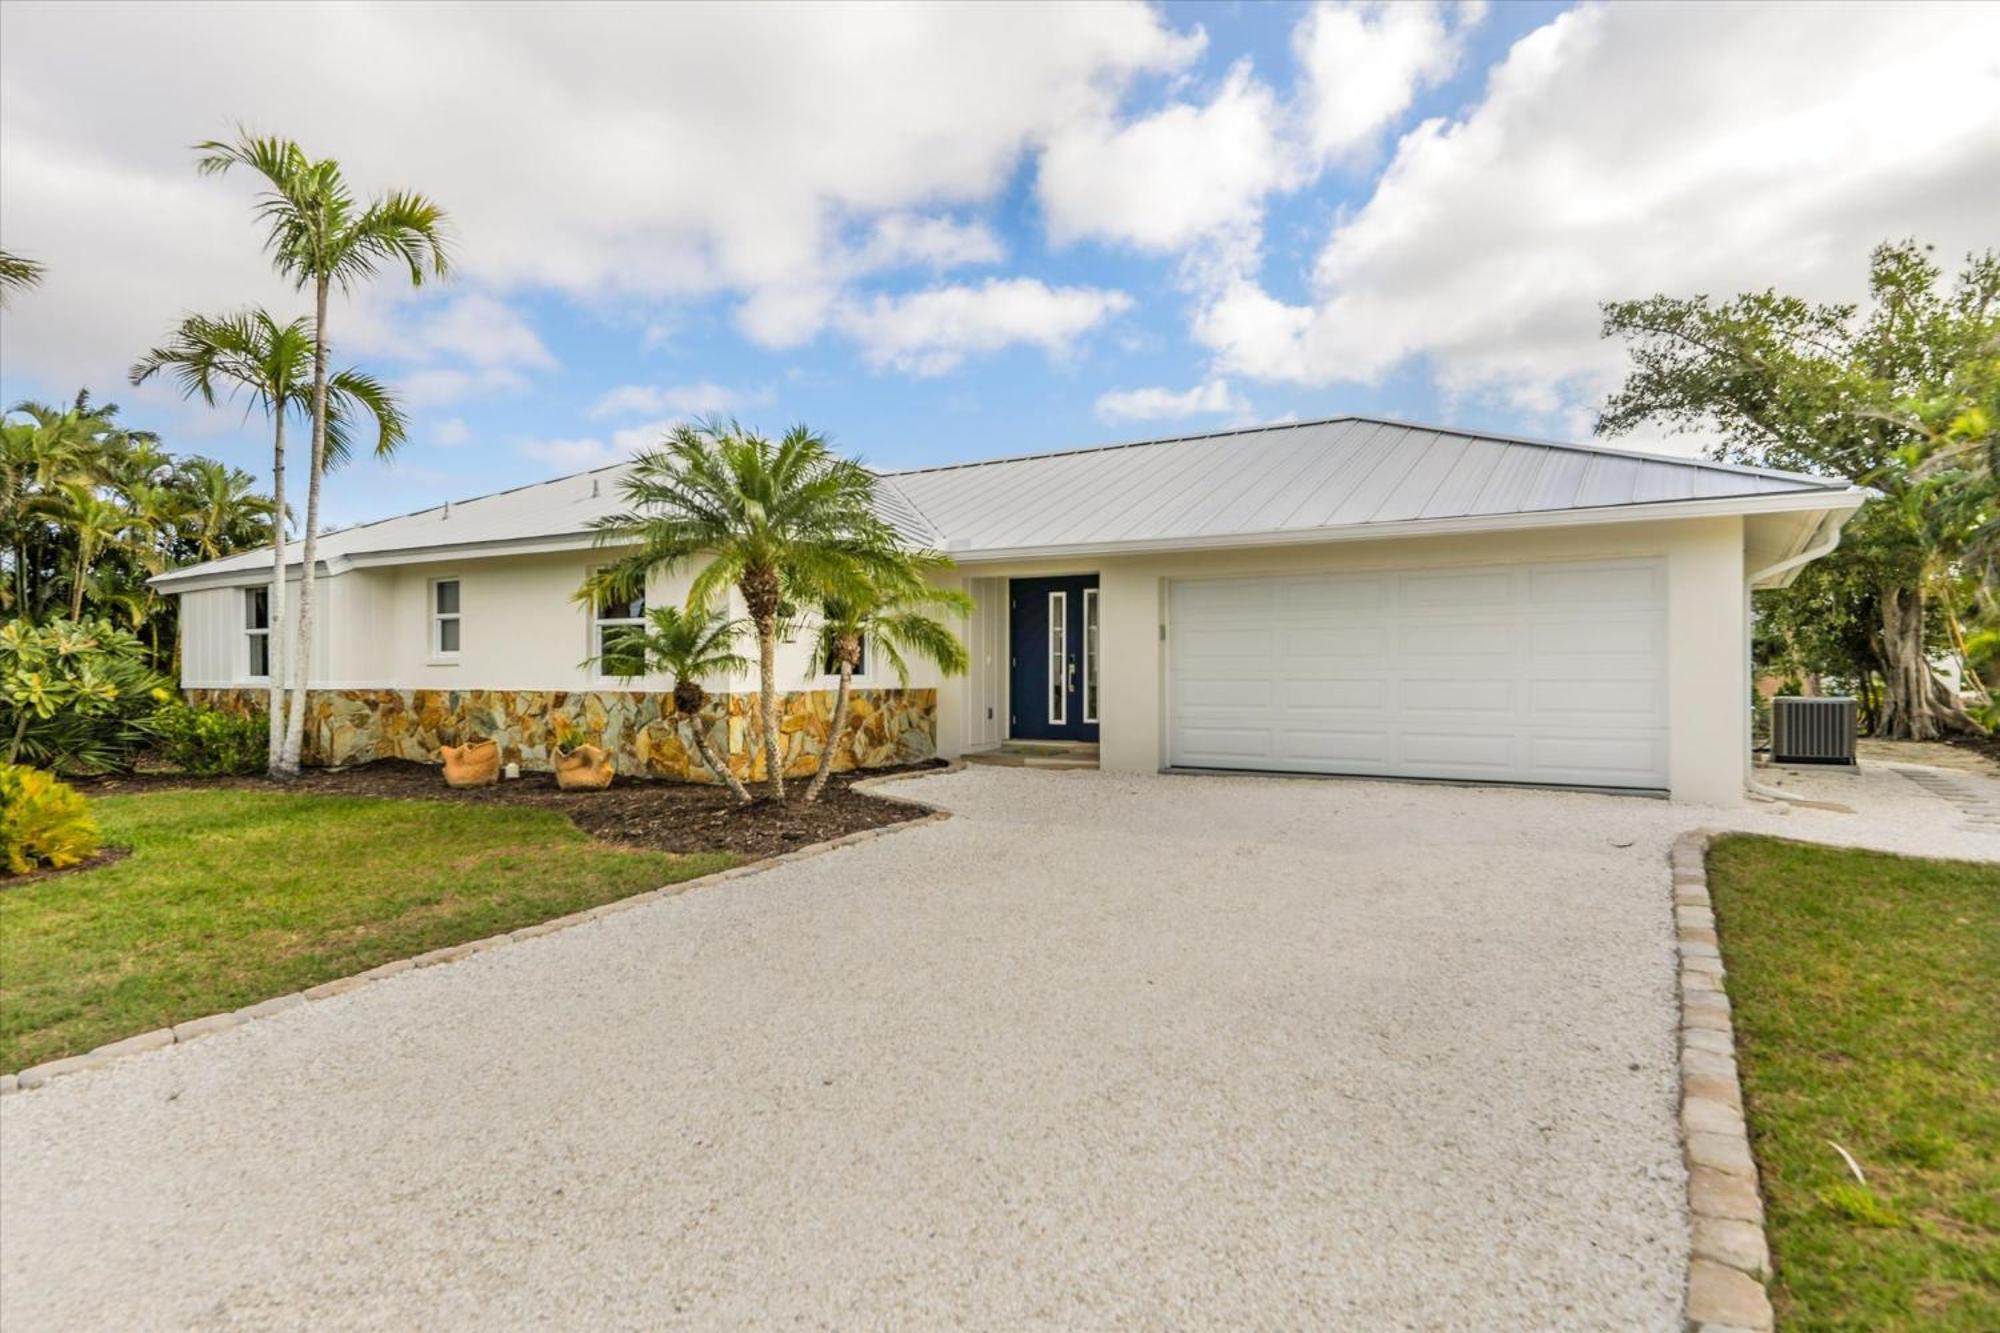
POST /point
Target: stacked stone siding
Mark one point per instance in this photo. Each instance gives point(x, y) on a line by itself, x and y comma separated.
point(640, 728)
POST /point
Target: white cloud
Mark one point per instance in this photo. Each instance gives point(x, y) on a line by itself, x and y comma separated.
point(682, 400)
point(584, 452)
point(1155, 404)
point(450, 433)
point(602, 152)
point(1363, 64)
point(1168, 180)
point(441, 386)
point(930, 332)
point(1630, 149)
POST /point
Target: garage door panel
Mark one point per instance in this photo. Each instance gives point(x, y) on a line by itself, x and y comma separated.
point(1549, 673)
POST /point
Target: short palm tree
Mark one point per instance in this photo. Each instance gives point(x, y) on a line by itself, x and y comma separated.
point(781, 521)
point(273, 364)
point(99, 525)
point(895, 613)
point(689, 646)
point(319, 235)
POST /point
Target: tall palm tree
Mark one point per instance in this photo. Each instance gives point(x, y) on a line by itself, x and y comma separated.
point(42, 459)
point(894, 613)
point(783, 522)
point(319, 235)
point(17, 274)
point(274, 365)
point(689, 646)
point(223, 511)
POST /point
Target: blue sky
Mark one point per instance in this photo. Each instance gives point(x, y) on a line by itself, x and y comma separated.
point(941, 234)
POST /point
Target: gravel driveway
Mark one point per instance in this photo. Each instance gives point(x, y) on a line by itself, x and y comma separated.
point(1102, 1051)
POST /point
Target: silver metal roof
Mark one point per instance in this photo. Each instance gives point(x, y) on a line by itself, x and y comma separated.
point(1308, 478)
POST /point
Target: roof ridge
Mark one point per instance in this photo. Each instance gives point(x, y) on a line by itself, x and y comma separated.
point(1644, 456)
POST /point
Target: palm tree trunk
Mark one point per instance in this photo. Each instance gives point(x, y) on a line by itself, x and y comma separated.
point(274, 639)
point(82, 566)
point(714, 762)
point(767, 686)
point(295, 720)
point(834, 732)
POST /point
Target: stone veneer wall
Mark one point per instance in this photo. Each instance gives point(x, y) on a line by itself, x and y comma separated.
point(640, 728)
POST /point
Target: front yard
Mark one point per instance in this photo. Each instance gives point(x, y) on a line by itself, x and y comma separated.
point(233, 896)
point(1867, 1010)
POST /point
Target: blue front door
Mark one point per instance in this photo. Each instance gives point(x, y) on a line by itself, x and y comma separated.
point(1054, 647)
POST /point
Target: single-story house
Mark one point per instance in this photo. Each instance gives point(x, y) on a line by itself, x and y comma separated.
point(1351, 596)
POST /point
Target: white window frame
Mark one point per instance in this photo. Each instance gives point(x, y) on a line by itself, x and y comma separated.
point(598, 621)
point(436, 619)
point(1090, 656)
point(251, 634)
point(1059, 658)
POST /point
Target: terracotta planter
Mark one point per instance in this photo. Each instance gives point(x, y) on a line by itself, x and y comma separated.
point(474, 764)
point(586, 768)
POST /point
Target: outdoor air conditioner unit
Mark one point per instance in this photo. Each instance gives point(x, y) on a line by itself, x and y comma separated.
point(1812, 731)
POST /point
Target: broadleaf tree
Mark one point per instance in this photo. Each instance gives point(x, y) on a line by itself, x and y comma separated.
point(1898, 397)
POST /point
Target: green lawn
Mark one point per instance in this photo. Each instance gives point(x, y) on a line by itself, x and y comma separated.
point(1867, 997)
point(231, 897)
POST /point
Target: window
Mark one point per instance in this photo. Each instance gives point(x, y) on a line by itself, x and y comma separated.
point(444, 618)
point(257, 630)
point(615, 635)
point(1058, 658)
point(1090, 654)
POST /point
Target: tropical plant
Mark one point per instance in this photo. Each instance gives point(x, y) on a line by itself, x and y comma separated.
point(44, 824)
point(209, 741)
point(688, 647)
point(75, 697)
point(1901, 399)
point(250, 353)
point(893, 613)
point(786, 523)
point(320, 236)
point(17, 274)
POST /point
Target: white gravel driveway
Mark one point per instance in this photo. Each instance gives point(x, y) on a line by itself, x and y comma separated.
point(1102, 1051)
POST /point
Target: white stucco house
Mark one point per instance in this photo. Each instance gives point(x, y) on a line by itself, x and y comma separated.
point(1351, 596)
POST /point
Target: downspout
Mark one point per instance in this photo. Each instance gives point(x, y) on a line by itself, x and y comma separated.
point(1820, 547)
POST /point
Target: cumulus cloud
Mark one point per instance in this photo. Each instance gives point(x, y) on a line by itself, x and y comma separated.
point(1156, 404)
point(930, 332)
point(1168, 180)
point(597, 151)
point(682, 400)
point(1364, 63)
point(450, 433)
point(580, 453)
point(1629, 149)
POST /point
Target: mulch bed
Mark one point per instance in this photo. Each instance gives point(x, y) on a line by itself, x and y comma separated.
point(103, 858)
point(1983, 745)
point(662, 816)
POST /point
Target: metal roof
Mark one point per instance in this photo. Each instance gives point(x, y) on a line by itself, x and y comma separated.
point(1348, 475)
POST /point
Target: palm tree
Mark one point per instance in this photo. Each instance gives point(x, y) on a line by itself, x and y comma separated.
point(222, 511)
point(892, 613)
point(274, 364)
point(17, 274)
point(319, 236)
point(784, 521)
point(689, 646)
point(99, 525)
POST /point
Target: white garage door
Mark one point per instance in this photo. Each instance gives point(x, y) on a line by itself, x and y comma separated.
point(1548, 673)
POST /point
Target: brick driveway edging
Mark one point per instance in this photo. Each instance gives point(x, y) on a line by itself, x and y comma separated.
point(36, 1075)
point(1729, 1259)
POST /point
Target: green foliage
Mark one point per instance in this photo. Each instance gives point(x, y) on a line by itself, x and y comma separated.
point(75, 697)
point(896, 610)
point(17, 274)
point(44, 824)
point(1902, 399)
point(211, 742)
point(89, 510)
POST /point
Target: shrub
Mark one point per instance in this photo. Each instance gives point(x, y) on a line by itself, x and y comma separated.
point(210, 742)
point(75, 696)
point(44, 824)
